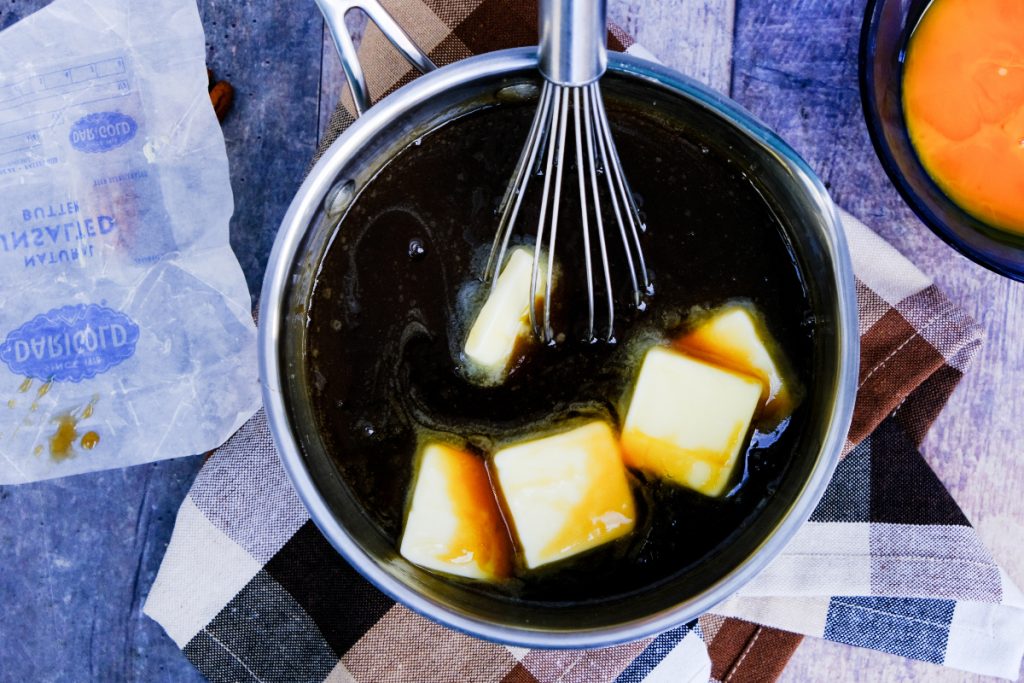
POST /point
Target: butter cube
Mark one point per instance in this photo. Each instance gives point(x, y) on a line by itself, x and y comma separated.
point(688, 420)
point(737, 339)
point(504, 317)
point(454, 524)
point(565, 493)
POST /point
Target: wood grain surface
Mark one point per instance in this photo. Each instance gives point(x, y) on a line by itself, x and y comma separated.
point(795, 66)
point(78, 555)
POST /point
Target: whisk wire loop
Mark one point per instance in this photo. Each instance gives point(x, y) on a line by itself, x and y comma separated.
point(583, 218)
point(513, 199)
point(546, 335)
point(594, 158)
point(556, 114)
point(603, 155)
point(633, 212)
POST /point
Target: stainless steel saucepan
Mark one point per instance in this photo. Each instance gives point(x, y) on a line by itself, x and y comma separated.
point(382, 131)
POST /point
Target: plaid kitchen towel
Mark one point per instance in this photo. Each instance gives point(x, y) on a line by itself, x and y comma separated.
point(250, 590)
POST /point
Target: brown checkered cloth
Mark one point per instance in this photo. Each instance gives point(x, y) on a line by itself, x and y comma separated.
point(250, 590)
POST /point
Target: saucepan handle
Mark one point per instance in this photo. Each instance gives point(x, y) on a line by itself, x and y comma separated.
point(334, 12)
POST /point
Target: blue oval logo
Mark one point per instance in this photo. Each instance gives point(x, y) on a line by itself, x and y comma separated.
point(102, 132)
point(70, 343)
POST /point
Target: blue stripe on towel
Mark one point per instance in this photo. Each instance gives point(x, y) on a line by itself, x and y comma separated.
point(653, 654)
point(909, 627)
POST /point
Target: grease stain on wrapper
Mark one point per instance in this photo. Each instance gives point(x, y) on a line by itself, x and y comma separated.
point(66, 435)
point(63, 440)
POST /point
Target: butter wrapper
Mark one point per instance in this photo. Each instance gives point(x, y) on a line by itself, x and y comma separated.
point(126, 333)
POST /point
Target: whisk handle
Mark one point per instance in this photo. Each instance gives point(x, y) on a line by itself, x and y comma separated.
point(573, 40)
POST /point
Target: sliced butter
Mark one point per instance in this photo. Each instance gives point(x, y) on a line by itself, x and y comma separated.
point(504, 317)
point(688, 420)
point(454, 524)
point(735, 338)
point(565, 493)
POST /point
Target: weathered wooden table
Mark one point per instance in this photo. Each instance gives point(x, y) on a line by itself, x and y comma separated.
point(77, 556)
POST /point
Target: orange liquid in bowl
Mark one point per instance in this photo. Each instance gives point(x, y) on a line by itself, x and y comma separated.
point(963, 98)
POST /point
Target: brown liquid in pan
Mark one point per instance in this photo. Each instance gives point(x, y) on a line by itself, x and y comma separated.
point(399, 287)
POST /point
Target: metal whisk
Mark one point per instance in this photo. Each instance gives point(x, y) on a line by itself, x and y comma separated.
point(572, 58)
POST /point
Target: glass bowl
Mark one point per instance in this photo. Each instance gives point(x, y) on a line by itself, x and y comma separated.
point(888, 25)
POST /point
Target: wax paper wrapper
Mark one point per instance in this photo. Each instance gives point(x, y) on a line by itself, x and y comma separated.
point(126, 332)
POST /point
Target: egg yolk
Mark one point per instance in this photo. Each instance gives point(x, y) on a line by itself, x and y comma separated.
point(963, 98)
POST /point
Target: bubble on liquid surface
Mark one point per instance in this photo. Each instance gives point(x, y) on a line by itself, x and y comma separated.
point(520, 92)
point(339, 197)
point(416, 249)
